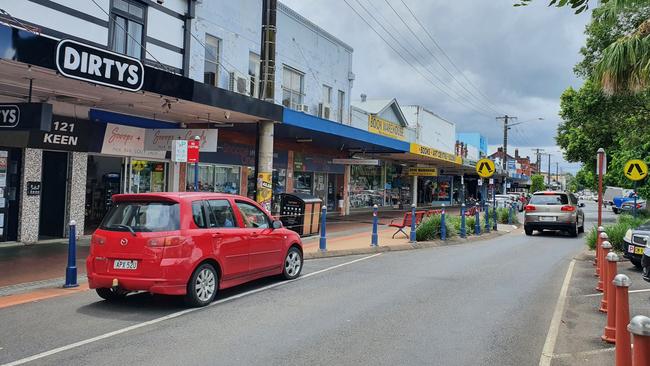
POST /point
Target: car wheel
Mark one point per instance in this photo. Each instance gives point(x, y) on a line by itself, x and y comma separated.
point(616, 210)
point(528, 231)
point(581, 229)
point(111, 294)
point(203, 285)
point(292, 264)
point(636, 263)
point(573, 231)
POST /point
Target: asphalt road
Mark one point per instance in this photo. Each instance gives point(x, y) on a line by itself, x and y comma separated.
point(483, 303)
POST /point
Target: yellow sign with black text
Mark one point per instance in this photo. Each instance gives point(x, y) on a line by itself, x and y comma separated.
point(436, 154)
point(635, 169)
point(382, 127)
point(485, 168)
point(423, 172)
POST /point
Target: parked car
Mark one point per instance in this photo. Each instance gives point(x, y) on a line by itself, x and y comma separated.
point(503, 200)
point(635, 242)
point(552, 210)
point(189, 243)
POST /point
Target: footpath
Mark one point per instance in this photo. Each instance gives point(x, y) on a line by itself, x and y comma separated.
point(36, 272)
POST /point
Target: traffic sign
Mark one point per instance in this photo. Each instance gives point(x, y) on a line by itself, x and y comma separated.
point(635, 170)
point(485, 168)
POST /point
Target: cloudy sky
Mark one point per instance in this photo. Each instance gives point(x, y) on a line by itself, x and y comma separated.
point(521, 59)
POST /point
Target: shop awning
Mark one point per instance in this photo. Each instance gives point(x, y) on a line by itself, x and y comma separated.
point(301, 127)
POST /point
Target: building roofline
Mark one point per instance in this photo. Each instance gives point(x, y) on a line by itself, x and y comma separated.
point(295, 15)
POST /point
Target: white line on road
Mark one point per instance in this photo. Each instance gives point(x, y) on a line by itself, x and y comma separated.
point(554, 328)
point(171, 316)
point(630, 292)
point(584, 353)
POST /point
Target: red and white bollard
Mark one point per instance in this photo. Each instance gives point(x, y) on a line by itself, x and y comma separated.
point(640, 328)
point(605, 247)
point(599, 242)
point(609, 306)
point(623, 345)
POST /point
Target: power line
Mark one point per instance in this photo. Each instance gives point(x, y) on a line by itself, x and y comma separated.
point(426, 31)
point(481, 102)
point(399, 54)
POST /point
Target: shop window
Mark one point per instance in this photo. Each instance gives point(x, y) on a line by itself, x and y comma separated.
point(214, 178)
point(366, 183)
point(292, 87)
point(148, 176)
point(253, 216)
point(211, 58)
point(127, 27)
point(303, 182)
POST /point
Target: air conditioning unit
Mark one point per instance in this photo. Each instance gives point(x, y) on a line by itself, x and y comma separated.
point(303, 108)
point(324, 110)
point(239, 83)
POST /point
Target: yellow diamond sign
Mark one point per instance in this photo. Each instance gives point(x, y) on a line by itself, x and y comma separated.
point(635, 169)
point(485, 168)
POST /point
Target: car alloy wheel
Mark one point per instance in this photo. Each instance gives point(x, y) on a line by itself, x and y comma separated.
point(205, 284)
point(292, 264)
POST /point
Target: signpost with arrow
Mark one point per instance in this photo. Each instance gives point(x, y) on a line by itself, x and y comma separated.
point(635, 170)
point(485, 169)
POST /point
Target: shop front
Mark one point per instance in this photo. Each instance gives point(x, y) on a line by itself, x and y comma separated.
point(317, 175)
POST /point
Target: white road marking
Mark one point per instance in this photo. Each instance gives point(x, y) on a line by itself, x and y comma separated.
point(630, 292)
point(554, 328)
point(584, 353)
point(171, 316)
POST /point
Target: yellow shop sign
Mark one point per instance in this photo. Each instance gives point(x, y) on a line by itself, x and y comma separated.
point(435, 154)
point(423, 172)
point(386, 128)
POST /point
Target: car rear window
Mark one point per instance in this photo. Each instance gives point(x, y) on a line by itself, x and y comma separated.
point(142, 216)
point(549, 199)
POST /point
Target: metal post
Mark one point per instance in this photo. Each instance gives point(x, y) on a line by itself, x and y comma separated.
point(635, 199)
point(71, 269)
point(601, 162)
point(487, 218)
point(374, 239)
point(323, 234)
point(510, 215)
point(494, 213)
point(443, 224)
point(413, 238)
point(640, 328)
point(196, 170)
point(477, 225)
point(462, 221)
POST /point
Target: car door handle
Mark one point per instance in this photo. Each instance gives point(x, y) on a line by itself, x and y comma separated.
point(216, 235)
point(255, 234)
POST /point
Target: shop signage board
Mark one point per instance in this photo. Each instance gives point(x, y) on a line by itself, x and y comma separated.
point(179, 151)
point(193, 151)
point(33, 188)
point(84, 62)
point(127, 141)
point(386, 128)
point(25, 116)
point(423, 172)
point(635, 170)
point(68, 134)
point(435, 154)
point(356, 161)
point(159, 139)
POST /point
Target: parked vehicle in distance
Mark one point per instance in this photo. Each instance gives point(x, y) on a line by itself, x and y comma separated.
point(503, 200)
point(553, 210)
point(636, 240)
point(188, 243)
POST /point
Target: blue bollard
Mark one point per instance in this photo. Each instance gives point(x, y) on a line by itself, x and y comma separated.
point(323, 235)
point(71, 269)
point(510, 216)
point(374, 240)
point(487, 218)
point(413, 238)
point(494, 218)
point(477, 226)
point(443, 224)
point(462, 221)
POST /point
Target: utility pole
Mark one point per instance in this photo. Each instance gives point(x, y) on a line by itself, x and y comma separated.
point(557, 172)
point(549, 169)
point(264, 151)
point(506, 127)
point(538, 152)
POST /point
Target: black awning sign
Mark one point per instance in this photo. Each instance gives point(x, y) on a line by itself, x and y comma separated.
point(81, 61)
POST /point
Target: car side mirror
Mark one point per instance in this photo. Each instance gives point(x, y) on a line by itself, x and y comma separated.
point(277, 224)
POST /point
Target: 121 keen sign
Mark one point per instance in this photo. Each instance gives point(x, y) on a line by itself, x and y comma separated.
point(80, 61)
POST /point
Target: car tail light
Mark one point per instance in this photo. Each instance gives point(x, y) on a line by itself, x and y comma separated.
point(530, 208)
point(166, 241)
point(97, 240)
point(568, 208)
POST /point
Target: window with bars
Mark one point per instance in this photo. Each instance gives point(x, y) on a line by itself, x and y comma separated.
point(292, 87)
point(127, 27)
point(212, 58)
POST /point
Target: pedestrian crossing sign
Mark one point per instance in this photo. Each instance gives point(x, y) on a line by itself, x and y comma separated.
point(635, 170)
point(485, 168)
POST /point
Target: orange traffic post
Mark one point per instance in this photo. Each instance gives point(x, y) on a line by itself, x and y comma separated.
point(640, 328)
point(623, 345)
point(599, 231)
point(605, 247)
point(601, 255)
point(609, 306)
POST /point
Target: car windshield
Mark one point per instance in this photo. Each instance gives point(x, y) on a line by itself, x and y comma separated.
point(549, 199)
point(142, 216)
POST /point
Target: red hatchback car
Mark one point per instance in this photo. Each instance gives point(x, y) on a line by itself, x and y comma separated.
point(188, 243)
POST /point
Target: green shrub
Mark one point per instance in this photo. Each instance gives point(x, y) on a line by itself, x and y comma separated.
point(470, 223)
point(591, 238)
point(616, 232)
point(429, 229)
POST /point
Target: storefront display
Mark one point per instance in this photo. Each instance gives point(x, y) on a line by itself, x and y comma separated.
point(215, 178)
point(148, 176)
point(435, 190)
point(366, 186)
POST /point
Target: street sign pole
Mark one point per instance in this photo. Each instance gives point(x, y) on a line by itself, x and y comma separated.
point(635, 199)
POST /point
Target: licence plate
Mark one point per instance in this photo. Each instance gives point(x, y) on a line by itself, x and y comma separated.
point(547, 218)
point(635, 250)
point(125, 264)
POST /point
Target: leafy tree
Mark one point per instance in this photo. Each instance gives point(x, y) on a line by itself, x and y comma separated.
point(537, 183)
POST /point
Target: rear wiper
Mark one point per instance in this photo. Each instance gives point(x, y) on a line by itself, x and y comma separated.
point(125, 227)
